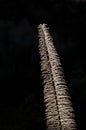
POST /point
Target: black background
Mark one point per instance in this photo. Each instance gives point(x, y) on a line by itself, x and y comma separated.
point(21, 91)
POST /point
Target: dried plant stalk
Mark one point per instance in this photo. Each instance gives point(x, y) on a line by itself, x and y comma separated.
point(59, 111)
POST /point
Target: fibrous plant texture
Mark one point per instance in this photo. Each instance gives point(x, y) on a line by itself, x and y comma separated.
point(58, 107)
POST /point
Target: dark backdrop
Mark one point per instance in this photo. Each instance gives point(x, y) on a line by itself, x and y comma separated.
point(21, 91)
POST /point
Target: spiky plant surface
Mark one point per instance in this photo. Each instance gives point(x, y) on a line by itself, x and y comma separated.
point(59, 111)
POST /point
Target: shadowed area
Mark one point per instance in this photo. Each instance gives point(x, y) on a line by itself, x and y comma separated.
point(21, 90)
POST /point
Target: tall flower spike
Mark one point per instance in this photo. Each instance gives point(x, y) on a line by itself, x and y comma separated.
point(59, 112)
